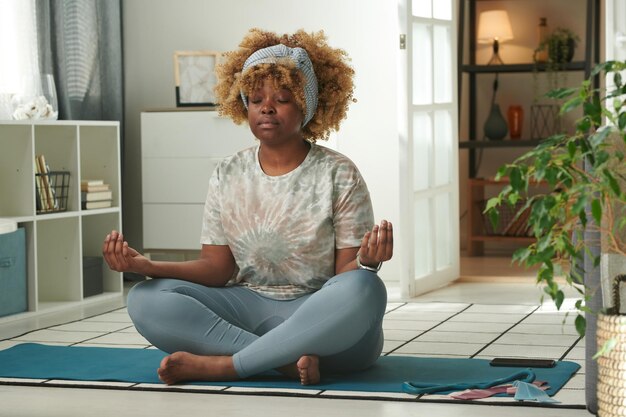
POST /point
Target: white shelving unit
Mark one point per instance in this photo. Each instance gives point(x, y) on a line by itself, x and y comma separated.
point(56, 242)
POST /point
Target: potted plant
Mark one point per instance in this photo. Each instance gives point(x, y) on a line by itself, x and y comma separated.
point(560, 46)
point(585, 174)
point(556, 50)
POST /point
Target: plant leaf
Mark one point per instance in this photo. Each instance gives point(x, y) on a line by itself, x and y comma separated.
point(621, 121)
point(561, 93)
point(515, 176)
point(599, 136)
point(581, 324)
point(612, 182)
point(492, 204)
point(494, 217)
point(617, 79)
point(571, 104)
point(596, 211)
point(608, 346)
point(559, 298)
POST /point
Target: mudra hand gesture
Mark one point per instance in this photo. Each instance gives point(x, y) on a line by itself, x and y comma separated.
point(377, 245)
point(122, 258)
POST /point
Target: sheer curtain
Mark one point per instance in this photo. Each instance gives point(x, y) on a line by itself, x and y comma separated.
point(18, 49)
point(80, 43)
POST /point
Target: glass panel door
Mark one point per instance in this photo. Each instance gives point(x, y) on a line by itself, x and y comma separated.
point(431, 152)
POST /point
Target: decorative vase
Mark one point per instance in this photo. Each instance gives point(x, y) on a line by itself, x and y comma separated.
point(515, 116)
point(541, 53)
point(37, 99)
point(495, 126)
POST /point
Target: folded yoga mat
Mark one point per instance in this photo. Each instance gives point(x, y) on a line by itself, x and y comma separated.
point(37, 361)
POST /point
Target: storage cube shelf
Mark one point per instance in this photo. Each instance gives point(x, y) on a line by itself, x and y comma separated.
point(56, 242)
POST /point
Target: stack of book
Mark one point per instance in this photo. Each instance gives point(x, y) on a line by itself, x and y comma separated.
point(95, 194)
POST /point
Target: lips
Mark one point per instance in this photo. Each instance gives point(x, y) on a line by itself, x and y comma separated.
point(267, 123)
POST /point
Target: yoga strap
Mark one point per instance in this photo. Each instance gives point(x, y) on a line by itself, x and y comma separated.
point(418, 388)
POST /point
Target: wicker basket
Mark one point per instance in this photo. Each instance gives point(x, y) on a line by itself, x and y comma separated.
point(611, 388)
point(52, 189)
point(512, 222)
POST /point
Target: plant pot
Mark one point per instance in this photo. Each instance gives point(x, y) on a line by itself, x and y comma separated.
point(611, 388)
point(561, 51)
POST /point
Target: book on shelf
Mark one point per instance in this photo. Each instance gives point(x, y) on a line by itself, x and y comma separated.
point(96, 195)
point(40, 200)
point(91, 182)
point(94, 188)
point(48, 201)
point(88, 205)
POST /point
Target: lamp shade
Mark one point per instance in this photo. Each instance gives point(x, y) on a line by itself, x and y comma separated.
point(494, 24)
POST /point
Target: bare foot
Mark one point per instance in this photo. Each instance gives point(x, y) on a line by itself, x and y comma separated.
point(309, 369)
point(183, 366)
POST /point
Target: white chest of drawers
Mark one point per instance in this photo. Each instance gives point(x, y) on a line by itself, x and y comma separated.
point(179, 151)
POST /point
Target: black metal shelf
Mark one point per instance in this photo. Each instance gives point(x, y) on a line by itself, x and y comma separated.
point(523, 68)
point(479, 144)
point(469, 73)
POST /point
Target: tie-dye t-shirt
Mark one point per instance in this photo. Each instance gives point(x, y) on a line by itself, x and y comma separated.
point(283, 230)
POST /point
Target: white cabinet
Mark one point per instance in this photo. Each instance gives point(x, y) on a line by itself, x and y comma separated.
point(179, 151)
point(57, 242)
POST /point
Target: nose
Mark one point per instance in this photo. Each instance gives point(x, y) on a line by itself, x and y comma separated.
point(268, 107)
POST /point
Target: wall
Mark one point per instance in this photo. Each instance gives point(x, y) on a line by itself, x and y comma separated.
point(154, 29)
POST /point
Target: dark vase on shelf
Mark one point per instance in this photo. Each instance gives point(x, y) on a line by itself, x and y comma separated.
point(495, 127)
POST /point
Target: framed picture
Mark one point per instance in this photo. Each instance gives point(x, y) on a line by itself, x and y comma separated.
point(194, 74)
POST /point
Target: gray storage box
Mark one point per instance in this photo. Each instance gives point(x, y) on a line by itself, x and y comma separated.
point(92, 276)
point(13, 295)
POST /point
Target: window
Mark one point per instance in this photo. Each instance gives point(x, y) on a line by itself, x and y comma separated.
point(19, 64)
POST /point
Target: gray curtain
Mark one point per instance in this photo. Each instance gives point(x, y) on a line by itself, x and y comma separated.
point(80, 43)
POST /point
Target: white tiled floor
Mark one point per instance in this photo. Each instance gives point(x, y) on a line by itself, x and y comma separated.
point(540, 334)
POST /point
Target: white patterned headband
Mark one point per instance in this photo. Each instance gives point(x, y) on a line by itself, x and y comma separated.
point(271, 55)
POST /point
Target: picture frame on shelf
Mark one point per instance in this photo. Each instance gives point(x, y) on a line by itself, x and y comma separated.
point(194, 76)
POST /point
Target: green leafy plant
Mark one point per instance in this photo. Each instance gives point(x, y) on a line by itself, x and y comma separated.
point(585, 174)
point(559, 48)
point(560, 45)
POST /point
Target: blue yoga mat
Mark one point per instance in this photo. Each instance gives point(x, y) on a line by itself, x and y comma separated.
point(31, 360)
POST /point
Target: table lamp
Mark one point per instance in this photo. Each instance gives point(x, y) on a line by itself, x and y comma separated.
point(494, 26)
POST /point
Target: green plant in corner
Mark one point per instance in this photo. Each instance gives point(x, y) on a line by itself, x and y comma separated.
point(585, 172)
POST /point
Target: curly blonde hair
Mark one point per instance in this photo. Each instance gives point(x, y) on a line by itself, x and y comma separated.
point(334, 79)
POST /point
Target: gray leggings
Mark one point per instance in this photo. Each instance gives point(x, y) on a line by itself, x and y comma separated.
point(341, 323)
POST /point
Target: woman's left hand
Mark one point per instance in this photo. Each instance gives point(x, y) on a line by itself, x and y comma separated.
point(377, 245)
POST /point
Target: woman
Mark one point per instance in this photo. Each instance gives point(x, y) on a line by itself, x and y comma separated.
point(286, 278)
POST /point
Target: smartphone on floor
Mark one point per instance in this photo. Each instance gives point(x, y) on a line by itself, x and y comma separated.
point(523, 362)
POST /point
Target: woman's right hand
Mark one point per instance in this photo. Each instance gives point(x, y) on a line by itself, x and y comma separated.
point(122, 258)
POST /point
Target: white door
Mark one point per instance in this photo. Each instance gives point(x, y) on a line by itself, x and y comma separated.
point(615, 26)
point(615, 34)
point(429, 144)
